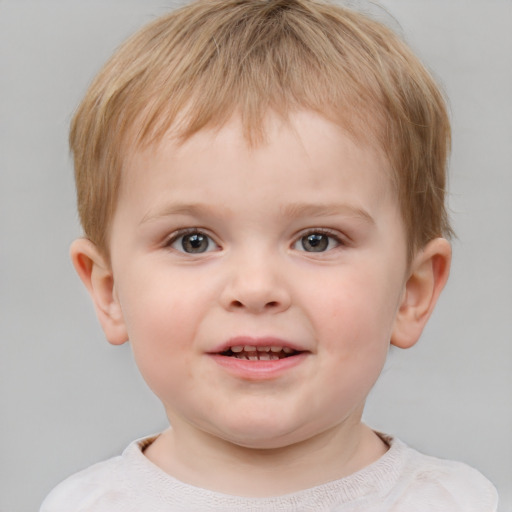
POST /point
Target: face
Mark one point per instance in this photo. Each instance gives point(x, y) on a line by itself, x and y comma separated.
point(259, 286)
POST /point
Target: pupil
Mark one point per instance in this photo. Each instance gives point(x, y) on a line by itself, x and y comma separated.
point(315, 242)
point(195, 243)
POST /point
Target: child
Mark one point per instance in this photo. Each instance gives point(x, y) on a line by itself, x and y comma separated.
point(261, 186)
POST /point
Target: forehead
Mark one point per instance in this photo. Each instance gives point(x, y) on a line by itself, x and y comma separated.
point(307, 130)
point(307, 156)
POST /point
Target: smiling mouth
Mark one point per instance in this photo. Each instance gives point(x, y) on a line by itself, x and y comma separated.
point(264, 353)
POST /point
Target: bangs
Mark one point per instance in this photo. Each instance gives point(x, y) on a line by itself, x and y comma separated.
point(198, 66)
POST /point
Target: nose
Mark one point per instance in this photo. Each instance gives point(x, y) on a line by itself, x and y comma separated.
point(256, 285)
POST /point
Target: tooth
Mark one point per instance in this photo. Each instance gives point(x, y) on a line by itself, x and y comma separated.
point(249, 348)
point(288, 350)
point(252, 357)
point(276, 349)
point(264, 356)
point(263, 349)
point(273, 357)
point(237, 348)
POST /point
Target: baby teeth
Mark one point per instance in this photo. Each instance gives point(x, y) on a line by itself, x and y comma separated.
point(265, 353)
point(258, 356)
point(251, 348)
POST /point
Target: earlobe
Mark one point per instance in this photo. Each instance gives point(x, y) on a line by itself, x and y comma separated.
point(95, 272)
point(428, 274)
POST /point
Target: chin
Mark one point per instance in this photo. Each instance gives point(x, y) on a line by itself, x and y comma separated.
point(263, 435)
point(268, 443)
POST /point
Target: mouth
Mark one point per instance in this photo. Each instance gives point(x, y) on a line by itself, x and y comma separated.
point(259, 359)
point(259, 353)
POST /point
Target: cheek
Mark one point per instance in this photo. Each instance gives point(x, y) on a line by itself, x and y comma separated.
point(162, 360)
point(353, 353)
point(356, 311)
point(161, 328)
point(353, 322)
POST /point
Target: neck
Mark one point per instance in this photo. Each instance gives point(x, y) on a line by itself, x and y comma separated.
point(202, 460)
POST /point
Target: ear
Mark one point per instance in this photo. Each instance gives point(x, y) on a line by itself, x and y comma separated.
point(428, 274)
point(96, 274)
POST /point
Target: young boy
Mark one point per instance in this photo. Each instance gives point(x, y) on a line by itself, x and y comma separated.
point(261, 186)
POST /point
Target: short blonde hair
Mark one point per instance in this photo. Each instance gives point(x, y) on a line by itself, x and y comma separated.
point(196, 66)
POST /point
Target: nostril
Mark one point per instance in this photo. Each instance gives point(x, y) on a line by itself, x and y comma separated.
point(236, 304)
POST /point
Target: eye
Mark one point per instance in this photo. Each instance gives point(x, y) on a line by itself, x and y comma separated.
point(192, 242)
point(317, 241)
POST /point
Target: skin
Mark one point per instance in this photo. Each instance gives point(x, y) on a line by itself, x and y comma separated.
point(262, 429)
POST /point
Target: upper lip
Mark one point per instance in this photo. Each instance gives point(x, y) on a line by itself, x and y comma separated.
point(267, 341)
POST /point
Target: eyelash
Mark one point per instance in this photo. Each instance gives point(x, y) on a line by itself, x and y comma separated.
point(330, 235)
point(182, 233)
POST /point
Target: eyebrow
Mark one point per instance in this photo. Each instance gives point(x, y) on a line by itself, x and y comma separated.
point(292, 210)
point(192, 209)
point(326, 210)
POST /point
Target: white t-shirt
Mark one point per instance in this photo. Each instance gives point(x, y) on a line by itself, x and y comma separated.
point(402, 480)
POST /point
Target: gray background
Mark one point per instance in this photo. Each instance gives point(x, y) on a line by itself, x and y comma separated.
point(69, 399)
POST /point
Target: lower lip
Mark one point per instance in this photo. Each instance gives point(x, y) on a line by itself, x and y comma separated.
point(257, 369)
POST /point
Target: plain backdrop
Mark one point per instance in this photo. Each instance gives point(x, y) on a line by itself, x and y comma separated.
point(68, 399)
